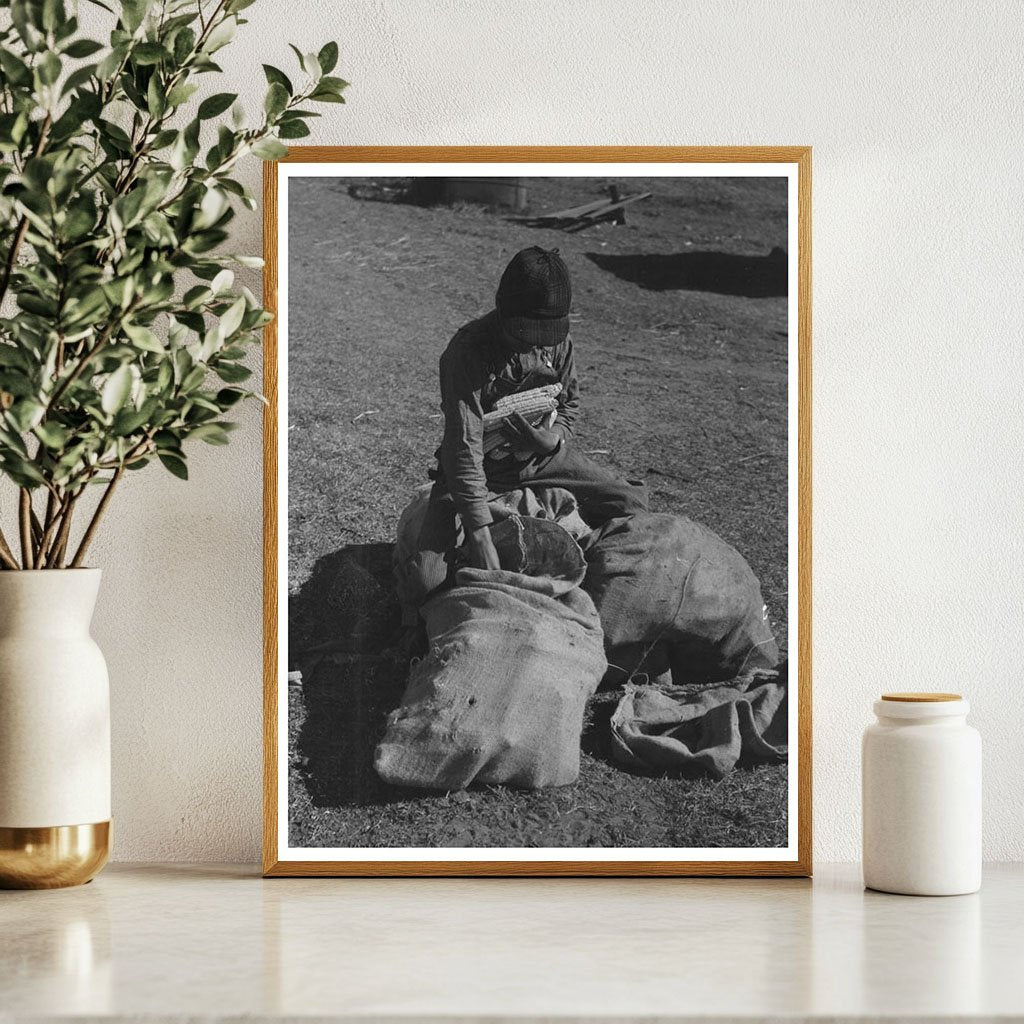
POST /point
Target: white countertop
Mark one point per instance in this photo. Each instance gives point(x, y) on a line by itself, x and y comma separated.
point(179, 941)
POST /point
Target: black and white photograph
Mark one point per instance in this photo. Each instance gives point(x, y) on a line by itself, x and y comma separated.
point(537, 513)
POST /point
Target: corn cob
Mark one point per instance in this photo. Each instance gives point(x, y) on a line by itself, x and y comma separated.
point(532, 405)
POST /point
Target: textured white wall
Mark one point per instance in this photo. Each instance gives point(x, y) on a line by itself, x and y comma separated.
point(914, 113)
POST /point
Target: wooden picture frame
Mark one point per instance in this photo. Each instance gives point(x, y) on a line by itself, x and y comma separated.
point(796, 162)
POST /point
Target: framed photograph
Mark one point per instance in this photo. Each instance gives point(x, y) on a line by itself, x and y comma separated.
point(538, 511)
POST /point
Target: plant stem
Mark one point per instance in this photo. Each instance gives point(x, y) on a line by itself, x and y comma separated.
point(25, 522)
point(50, 525)
point(94, 523)
point(37, 530)
point(60, 544)
point(12, 255)
point(51, 509)
point(6, 555)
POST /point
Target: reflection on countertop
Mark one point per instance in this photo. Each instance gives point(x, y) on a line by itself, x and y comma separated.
point(217, 940)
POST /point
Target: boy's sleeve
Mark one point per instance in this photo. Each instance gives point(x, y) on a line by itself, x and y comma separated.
point(462, 446)
point(569, 399)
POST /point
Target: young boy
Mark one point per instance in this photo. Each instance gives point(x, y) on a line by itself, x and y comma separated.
point(521, 344)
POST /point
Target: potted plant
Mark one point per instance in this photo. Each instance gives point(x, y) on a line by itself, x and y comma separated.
point(122, 342)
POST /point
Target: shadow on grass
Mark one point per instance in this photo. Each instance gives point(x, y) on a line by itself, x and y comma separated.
point(341, 623)
point(721, 272)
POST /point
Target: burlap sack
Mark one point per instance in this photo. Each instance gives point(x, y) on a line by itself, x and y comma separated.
point(500, 696)
point(665, 584)
point(705, 731)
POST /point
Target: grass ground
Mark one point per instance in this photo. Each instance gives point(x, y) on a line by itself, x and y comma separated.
point(680, 326)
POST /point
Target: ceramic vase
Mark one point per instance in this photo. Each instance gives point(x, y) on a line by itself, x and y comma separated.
point(54, 731)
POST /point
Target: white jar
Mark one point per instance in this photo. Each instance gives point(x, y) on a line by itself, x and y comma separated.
point(921, 777)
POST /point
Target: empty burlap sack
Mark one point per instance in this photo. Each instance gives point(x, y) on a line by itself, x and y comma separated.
point(704, 732)
point(668, 587)
point(500, 696)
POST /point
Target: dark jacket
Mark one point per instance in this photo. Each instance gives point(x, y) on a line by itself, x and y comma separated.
point(477, 370)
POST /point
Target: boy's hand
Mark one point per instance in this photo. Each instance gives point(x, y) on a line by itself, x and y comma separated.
point(483, 554)
point(538, 440)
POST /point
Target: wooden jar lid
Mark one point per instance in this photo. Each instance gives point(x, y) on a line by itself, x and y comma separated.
point(921, 698)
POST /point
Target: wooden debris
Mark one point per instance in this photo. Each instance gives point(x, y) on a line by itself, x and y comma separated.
point(576, 218)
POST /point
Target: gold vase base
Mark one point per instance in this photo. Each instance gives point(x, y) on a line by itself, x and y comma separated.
point(53, 857)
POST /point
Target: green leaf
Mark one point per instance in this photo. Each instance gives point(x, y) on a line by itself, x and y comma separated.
point(232, 373)
point(25, 414)
point(181, 94)
point(133, 12)
point(185, 147)
point(21, 471)
point(53, 435)
point(334, 84)
point(78, 222)
point(196, 296)
point(143, 338)
point(216, 104)
point(324, 96)
point(11, 442)
point(116, 390)
point(269, 149)
point(193, 321)
point(211, 209)
point(222, 282)
point(311, 65)
point(26, 21)
point(83, 48)
point(276, 99)
point(156, 100)
point(129, 207)
point(12, 356)
point(128, 421)
point(16, 70)
point(256, 262)
point(87, 308)
point(53, 14)
point(116, 134)
point(149, 53)
point(232, 319)
point(328, 57)
point(184, 44)
point(221, 35)
point(34, 304)
point(193, 379)
point(274, 75)
point(293, 130)
point(175, 465)
point(168, 441)
point(162, 139)
point(211, 433)
point(119, 291)
point(78, 78)
point(66, 29)
point(227, 397)
point(49, 68)
point(109, 65)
